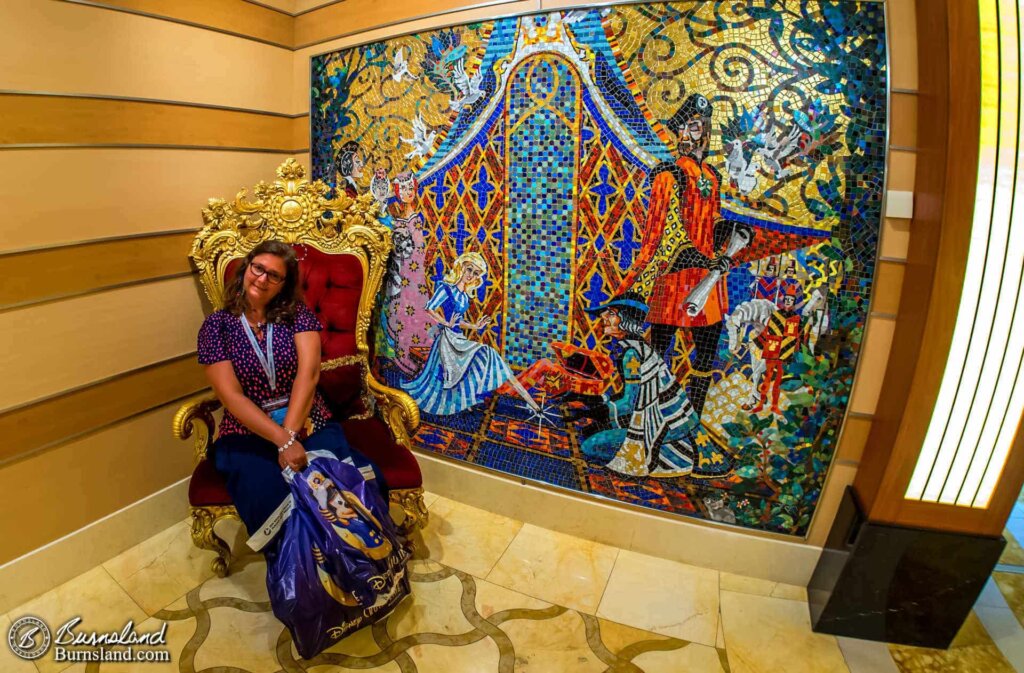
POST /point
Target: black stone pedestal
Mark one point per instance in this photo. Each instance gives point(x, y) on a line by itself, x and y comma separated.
point(900, 585)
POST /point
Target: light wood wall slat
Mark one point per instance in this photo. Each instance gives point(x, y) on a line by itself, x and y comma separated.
point(57, 120)
point(60, 196)
point(903, 120)
point(902, 44)
point(895, 238)
point(82, 481)
point(886, 287)
point(902, 170)
point(356, 16)
point(28, 429)
point(235, 17)
point(854, 439)
point(303, 6)
point(51, 348)
point(284, 6)
point(56, 273)
point(64, 48)
point(874, 359)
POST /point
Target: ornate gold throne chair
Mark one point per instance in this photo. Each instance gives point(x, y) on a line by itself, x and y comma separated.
point(343, 252)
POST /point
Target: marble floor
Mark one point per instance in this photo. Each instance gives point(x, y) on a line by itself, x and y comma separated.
point(491, 594)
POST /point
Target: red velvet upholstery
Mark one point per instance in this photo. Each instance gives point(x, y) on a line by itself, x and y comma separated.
point(369, 436)
point(331, 285)
point(207, 487)
point(372, 438)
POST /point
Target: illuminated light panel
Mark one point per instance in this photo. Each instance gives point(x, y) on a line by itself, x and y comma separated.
point(981, 397)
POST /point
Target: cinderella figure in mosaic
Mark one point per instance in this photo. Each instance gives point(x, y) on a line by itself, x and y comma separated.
point(459, 372)
point(406, 287)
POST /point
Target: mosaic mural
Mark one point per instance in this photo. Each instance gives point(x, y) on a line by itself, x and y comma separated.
point(634, 245)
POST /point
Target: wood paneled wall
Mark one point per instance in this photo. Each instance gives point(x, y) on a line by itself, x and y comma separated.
point(117, 127)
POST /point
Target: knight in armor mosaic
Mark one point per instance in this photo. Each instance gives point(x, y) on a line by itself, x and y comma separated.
point(790, 284)
point(679, 248)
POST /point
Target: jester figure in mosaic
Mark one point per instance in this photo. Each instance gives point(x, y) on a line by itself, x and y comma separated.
point(669, 212)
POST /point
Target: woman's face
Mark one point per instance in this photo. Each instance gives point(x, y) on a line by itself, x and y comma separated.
point(406, 191)
point(357, 165)
point(264, 279)
point(470, 274)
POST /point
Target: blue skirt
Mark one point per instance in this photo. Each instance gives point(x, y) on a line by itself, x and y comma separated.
point(255, 481)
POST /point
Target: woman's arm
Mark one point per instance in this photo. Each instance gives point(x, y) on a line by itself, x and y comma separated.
point(307, 344)
point(438, 316)
point(221, 376)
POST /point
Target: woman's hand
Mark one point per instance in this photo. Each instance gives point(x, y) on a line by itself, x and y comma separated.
point(294, 457)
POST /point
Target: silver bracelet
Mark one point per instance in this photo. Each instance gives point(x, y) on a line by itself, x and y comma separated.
point(284, 447)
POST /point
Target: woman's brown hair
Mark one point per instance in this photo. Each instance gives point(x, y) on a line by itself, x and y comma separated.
point(282, 307)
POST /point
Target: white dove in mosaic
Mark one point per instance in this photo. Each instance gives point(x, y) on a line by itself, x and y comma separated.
point(422, 140)
point(400, 67)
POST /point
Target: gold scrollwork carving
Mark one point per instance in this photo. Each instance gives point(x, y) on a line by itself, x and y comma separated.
point(411, 502)
point(204, 537)
point(196, 418)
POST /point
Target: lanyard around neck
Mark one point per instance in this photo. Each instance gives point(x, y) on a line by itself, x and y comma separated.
point(267, 360)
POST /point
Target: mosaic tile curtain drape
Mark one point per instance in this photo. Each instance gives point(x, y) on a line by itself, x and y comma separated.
point(634, 245)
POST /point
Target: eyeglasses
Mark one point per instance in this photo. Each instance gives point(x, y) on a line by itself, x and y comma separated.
point(260, 270)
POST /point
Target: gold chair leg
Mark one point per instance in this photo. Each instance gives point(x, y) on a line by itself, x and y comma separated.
point(204, 537)
point(411, 502)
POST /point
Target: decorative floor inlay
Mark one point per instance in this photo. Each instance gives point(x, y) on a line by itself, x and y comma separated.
point(972, 651)
point(492, 594)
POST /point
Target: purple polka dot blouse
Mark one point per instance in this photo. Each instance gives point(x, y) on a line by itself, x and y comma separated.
point(222, 337)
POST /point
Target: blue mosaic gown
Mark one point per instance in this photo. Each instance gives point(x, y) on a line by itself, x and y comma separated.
point(458, 372)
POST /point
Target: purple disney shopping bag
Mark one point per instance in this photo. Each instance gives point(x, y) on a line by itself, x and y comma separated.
point(340, 564)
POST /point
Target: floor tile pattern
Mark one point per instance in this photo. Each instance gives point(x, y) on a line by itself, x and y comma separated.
point(492, 594)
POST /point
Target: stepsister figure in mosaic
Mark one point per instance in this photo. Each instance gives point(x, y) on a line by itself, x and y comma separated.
point(459, 372)
point(405, 288)
point(720, 164)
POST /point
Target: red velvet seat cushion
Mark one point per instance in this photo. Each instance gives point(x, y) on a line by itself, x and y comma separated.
point(372, 438)
point(207, 487)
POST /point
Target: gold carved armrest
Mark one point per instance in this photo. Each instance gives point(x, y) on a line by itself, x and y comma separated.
point(398, 410)
point(196, 418)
